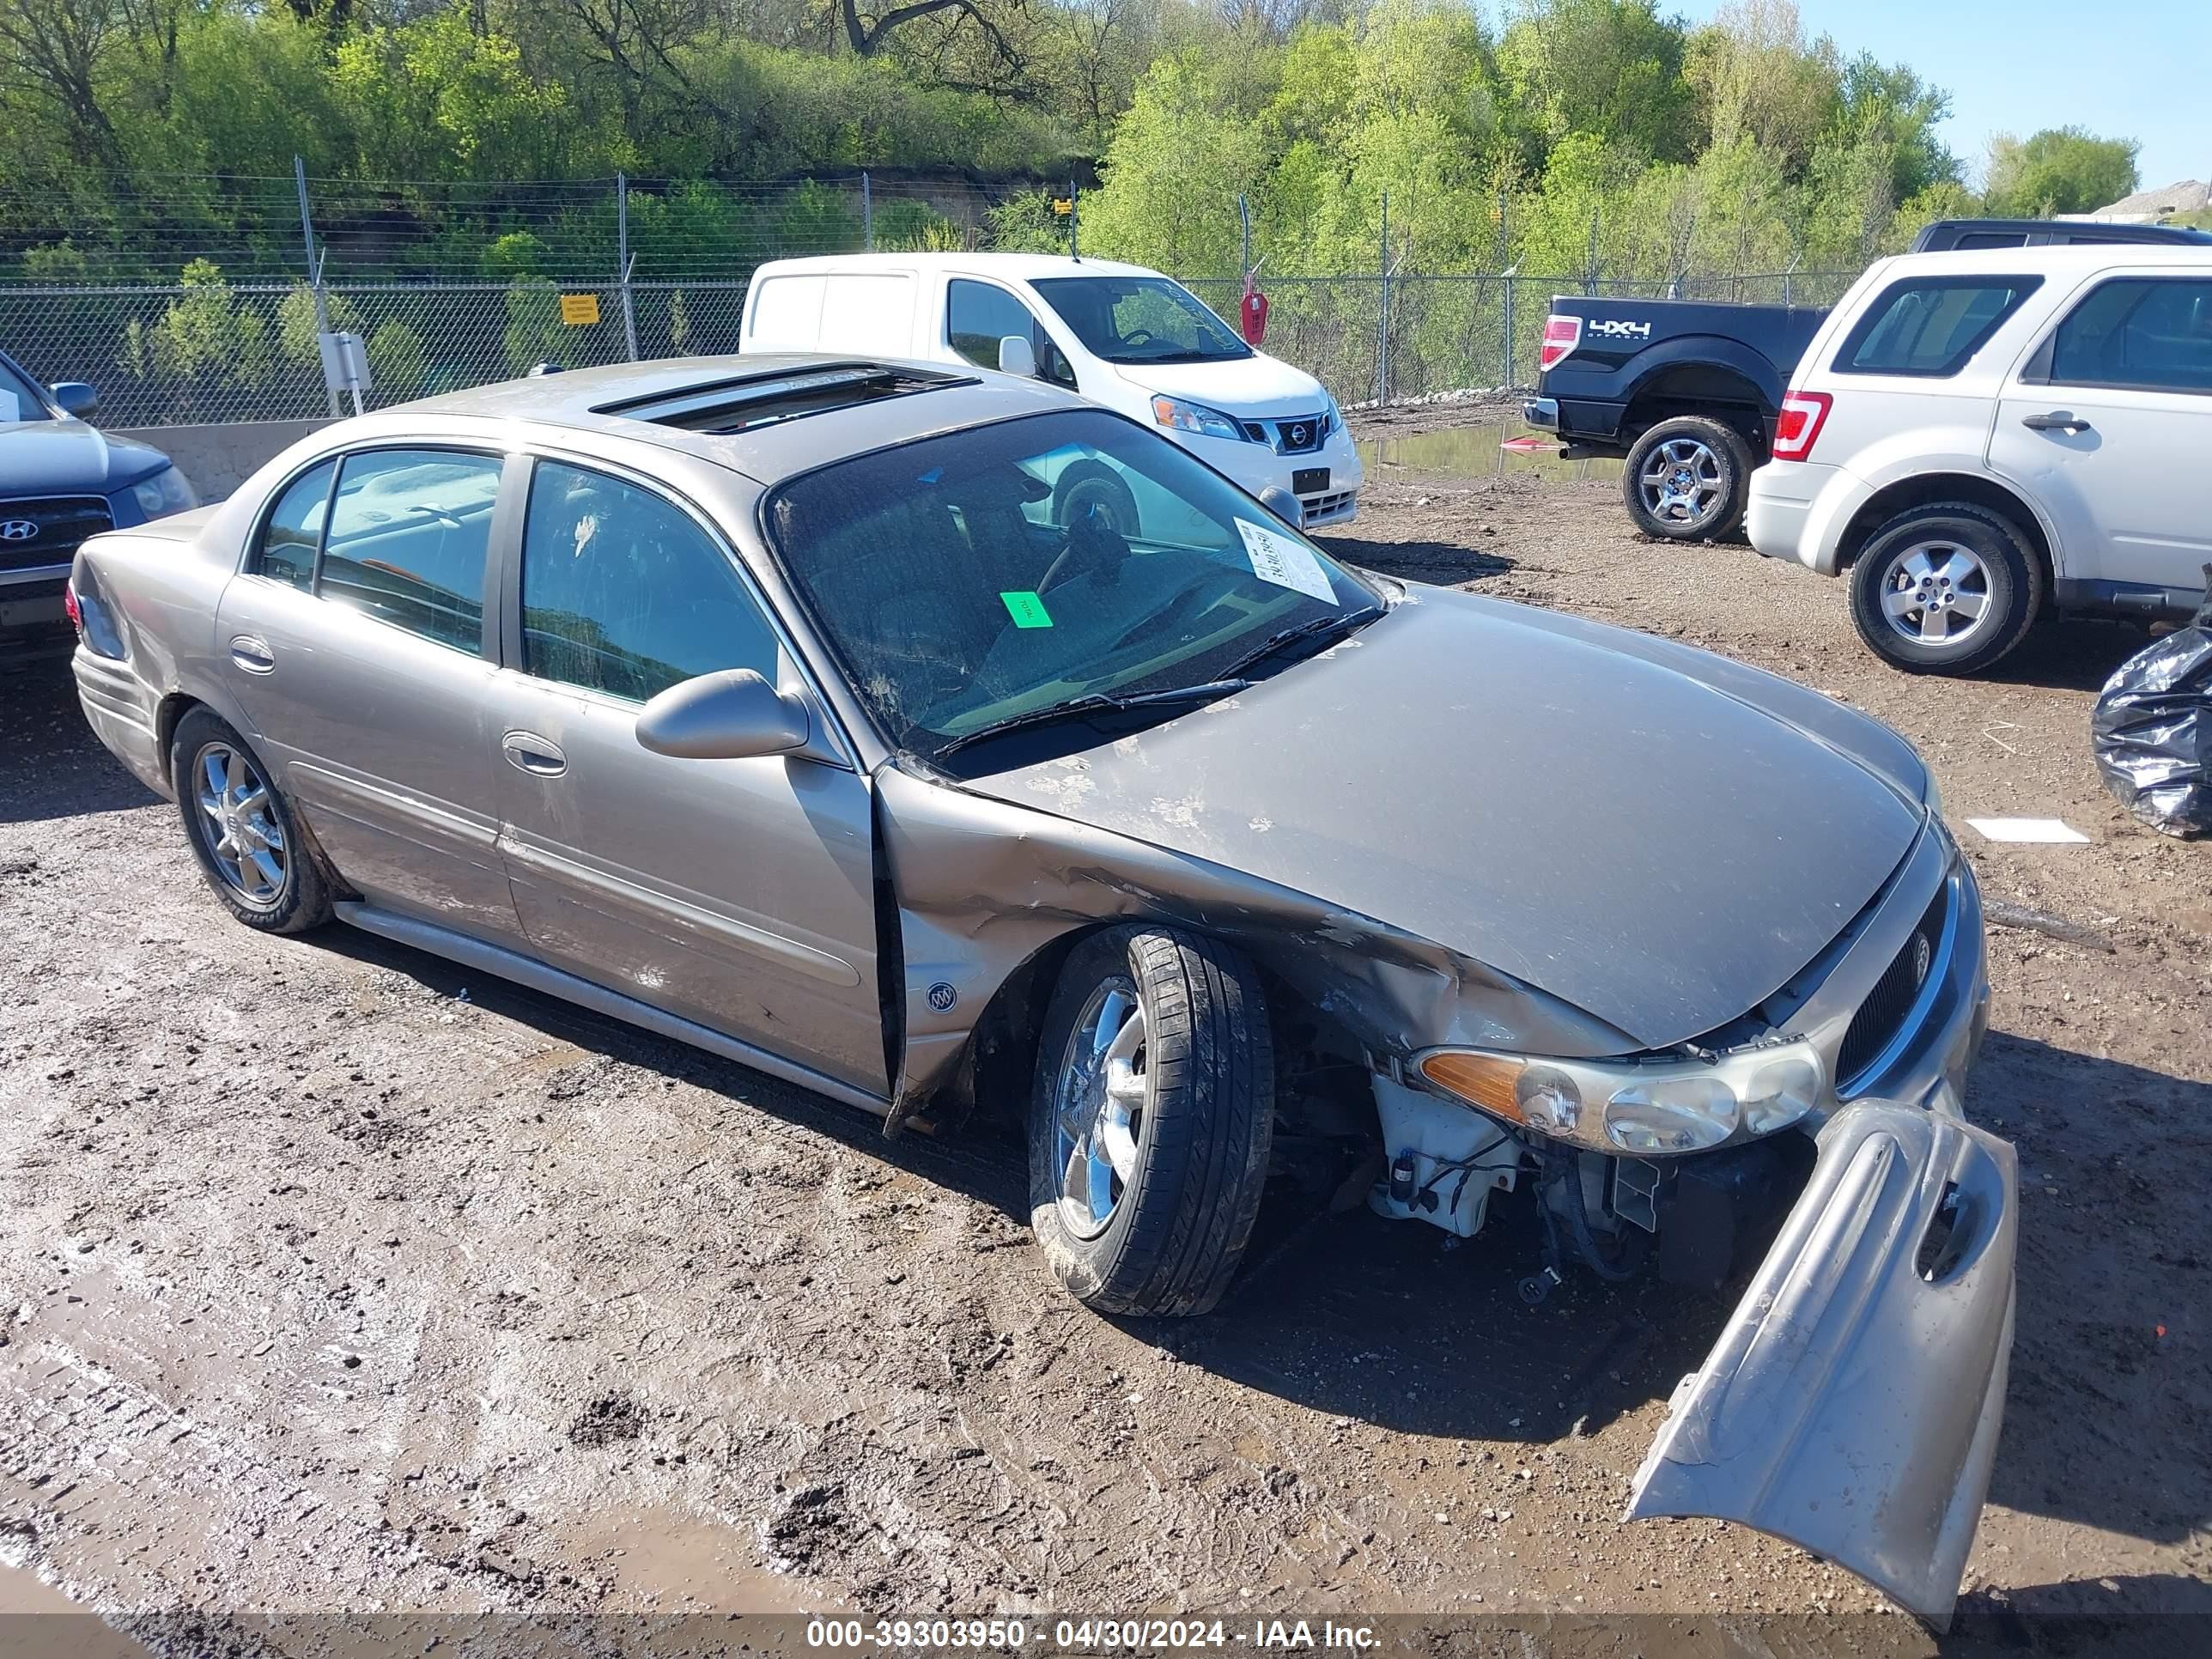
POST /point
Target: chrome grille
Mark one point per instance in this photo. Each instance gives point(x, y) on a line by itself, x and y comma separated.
point(1886, 1007)
point(46, 530)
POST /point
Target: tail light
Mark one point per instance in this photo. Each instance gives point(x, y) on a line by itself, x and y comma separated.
point(1561, 336)
point(1798, 423)
point(70, 605)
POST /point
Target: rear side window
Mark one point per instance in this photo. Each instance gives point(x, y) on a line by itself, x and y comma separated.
point(2140, 333)
point(408, 530)
point(294, 531)
point(1931, 326)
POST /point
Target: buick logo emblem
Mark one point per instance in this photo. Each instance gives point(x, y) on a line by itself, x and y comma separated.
point(942, 997)
point(19, 529)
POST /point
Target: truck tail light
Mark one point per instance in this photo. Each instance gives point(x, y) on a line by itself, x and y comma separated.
point(1561, 336)
point(69, 604)
point(1798, 423)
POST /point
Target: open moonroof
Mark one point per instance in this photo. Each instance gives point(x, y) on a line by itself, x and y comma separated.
point(758, 400)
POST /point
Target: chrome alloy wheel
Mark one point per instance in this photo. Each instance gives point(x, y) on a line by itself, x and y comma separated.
point(240, 826)
point(1681, 480)
point(1936, 592)
point(1098, 1107)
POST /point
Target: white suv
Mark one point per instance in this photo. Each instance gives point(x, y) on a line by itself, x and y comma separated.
point(1981, 438)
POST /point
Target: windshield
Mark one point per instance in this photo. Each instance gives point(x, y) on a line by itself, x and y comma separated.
point(988, 575)
point(19, 399)
point(1141, 319)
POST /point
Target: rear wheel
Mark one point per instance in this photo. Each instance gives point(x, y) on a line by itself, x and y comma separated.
point(242, 829)
point(1947, 588)
point(1151, 1120)
point(1685, 479)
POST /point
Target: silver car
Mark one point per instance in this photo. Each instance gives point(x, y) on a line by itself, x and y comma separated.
point(769, 703)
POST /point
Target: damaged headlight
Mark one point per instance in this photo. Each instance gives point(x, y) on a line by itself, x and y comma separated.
point(1643, 1108)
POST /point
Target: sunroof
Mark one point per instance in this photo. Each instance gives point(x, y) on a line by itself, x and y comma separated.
point(758, 400)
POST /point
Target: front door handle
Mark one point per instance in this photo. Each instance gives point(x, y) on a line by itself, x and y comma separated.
point(252, 654)
point(2059, 420)
point(528, 752)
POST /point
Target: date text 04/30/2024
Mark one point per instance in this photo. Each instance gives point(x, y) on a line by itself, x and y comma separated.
point(1088, 1635)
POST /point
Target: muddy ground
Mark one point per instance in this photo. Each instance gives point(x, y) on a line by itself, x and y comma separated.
point(332, 1276)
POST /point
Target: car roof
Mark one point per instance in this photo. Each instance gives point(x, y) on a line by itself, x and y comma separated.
point(1013, 267)
point(2075, 259)
point(636, 401)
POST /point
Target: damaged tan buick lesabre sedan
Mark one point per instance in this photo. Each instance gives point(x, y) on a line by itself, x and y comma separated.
point(941, 742)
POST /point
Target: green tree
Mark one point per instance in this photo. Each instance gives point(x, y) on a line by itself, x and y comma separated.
point(2059, 170)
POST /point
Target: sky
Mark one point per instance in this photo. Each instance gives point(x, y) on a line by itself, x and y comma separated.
point(2124, 69)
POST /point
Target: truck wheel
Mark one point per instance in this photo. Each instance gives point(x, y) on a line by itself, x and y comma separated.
point(1685, 479)
point(1089, 485)
point(1150, 1120)
point(242, 829)
point(1947, 588)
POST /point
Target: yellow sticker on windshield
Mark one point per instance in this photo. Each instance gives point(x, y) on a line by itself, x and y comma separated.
point(1026, 609)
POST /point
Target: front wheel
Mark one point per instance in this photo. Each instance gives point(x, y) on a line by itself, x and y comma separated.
point(1947, 588)
point(1685, 479)
point(1150, 1120)
point(1092, 492)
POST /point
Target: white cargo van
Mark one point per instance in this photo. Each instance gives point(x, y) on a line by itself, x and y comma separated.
point(1120, 335)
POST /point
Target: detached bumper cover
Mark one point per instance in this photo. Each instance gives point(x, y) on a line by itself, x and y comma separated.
point(1852, 1403)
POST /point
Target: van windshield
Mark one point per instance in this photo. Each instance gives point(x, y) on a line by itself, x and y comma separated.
point(1140, 319)
point(976, 584)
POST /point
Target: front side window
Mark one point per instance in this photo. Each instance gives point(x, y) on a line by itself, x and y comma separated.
point(623, 593)
point(19, 399)
point(294, 531)
point(1931, 326)
point(991, 575)
point(978, 315)
point(1141, 319)
point(406, 539)
point(2138, 333)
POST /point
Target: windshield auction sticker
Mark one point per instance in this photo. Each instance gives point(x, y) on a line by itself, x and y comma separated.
point(1278, 559)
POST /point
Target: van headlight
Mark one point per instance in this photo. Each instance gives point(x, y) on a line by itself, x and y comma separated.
point(1174, 412)
point(166, 491)
point(1642, 1108)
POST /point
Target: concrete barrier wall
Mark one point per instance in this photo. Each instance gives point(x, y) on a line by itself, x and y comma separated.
point(218, 459)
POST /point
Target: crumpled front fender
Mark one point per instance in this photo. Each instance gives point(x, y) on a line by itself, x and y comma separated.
point(1853, 1400)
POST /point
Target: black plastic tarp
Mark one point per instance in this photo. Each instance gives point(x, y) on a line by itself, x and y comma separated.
point(2153, 729)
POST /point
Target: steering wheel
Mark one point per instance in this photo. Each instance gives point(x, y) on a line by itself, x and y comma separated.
point(1138, 337)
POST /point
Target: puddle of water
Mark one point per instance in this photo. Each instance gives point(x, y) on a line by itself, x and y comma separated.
point(666, 1562)
point(1472, 452)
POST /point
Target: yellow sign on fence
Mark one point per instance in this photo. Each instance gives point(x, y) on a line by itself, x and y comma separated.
point(580, 308)
point(1062, 206)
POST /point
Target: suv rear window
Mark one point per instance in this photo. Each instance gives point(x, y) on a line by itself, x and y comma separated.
point(1930, 326)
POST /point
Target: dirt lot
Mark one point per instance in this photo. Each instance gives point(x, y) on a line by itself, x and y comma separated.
point(332, 1276)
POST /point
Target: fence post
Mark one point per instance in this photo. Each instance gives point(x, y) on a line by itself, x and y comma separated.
point(1382, 331)
point(624, 260)
point(1507, 353)
point(1074, 247)
point(867, 214)
point(1589, 273)
point(314, 274)
point(1245, 240)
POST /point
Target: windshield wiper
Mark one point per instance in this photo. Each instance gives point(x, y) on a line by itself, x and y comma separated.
point(1098, 702)
point(1313, 628)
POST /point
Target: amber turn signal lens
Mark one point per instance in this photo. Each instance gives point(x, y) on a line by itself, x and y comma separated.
point(1486, 1080)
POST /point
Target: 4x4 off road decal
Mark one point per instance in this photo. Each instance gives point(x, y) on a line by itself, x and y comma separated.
point(1622, 330)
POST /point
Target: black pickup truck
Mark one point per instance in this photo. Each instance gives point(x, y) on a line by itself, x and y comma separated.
point(1687, 390)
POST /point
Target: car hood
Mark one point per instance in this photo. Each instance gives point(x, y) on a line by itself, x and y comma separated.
point(1659, 836)
point(67, 458)
point(1258, 385)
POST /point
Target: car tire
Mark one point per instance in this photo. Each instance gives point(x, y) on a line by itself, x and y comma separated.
point(1708, 458)
point(243, 830)
point(1087, 483)
point(1942, 555)
point(1193, 1092)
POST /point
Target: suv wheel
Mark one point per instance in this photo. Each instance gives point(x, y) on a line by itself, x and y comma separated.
point(242, 829)
point(1151, 1120)
point(1947, 588)
point(1685, 479)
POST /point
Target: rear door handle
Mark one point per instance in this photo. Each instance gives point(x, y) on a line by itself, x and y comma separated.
point(528, 752)
point(2059, 420)
point(252, 654)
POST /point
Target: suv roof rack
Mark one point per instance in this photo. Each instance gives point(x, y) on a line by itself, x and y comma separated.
point(747, 401)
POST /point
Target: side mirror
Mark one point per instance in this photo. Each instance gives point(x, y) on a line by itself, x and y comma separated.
point(1017, 356)
point(1284, 504)
point(76, 398)
point(731, 715)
